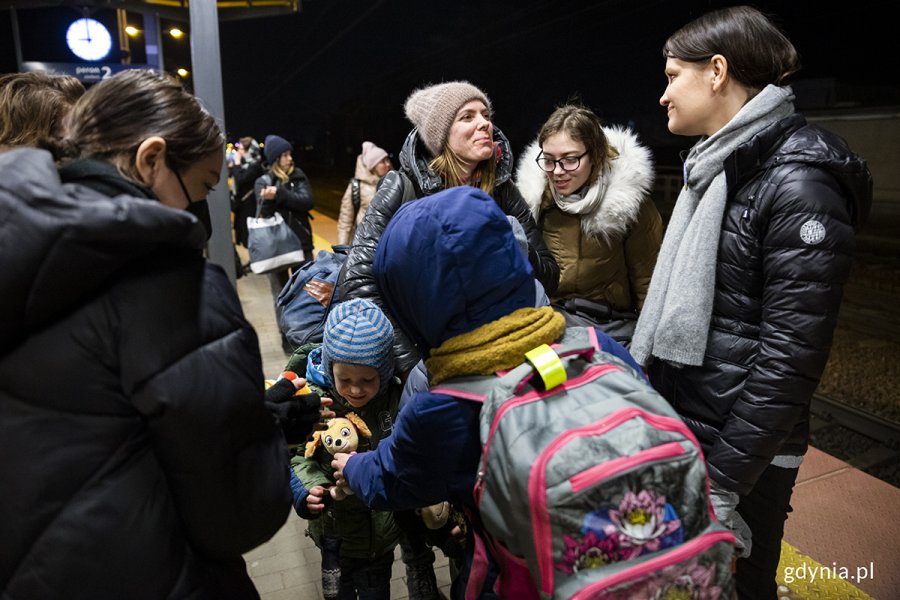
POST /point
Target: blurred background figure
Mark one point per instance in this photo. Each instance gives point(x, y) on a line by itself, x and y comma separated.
point(33, 106)
point(285, 188)
point(372, 164)
point(245, 168)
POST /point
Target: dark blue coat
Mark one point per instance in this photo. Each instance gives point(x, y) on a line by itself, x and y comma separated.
point(445, 266)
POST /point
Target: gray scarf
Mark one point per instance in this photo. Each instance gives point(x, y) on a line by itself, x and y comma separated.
point(674, 321)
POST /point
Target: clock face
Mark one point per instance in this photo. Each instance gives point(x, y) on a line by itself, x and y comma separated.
point(88, 39)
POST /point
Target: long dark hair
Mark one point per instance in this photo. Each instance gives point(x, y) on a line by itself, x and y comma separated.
point(758, 53)
point(112, 119)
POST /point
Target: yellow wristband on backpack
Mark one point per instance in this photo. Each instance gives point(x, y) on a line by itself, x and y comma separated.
point(548, 365)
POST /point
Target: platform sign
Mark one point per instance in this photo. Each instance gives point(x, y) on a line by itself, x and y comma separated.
point(85, 72)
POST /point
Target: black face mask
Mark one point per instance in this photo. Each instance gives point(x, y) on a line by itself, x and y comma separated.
point(200, 209)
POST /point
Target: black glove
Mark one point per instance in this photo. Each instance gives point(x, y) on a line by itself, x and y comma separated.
point(296, 415)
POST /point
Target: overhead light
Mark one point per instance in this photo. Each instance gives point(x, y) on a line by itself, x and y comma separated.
point(176, 33)
point(182, 72)
point(132, 30)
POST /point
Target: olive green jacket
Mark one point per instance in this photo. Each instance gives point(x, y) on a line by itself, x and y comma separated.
point(364, 533)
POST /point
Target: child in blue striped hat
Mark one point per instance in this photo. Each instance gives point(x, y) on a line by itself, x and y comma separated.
point(355, 367)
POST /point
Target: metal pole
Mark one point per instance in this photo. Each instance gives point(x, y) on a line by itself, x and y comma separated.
point(17, 42)
point(207, 76)
point(153, 41)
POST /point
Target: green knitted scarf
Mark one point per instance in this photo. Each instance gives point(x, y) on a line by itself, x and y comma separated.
point(496, 346)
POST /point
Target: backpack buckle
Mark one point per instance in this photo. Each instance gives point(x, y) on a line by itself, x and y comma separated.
point(548, 365)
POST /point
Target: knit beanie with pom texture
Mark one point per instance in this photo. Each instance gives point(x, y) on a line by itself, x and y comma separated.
point(432, 110)
point(372, 155)
point(358, 332)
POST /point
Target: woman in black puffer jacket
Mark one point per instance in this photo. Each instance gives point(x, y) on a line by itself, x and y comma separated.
point(454, 142)
point(139, 459)
point(743, 302)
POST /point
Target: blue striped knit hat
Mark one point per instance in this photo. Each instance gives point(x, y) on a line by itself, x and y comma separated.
point(358, 332)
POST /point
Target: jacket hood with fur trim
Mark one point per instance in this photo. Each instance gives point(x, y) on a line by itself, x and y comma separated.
point(631, 177)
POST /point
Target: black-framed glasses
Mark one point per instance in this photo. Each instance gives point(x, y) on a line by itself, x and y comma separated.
point(566, 163)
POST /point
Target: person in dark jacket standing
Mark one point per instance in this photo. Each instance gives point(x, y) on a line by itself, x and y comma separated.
point(139, 460)
point(285, 188)
point(245, 168)
point(738, 321)
point(454, 142)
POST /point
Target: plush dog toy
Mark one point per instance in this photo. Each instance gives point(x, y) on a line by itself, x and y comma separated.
point(341, 435)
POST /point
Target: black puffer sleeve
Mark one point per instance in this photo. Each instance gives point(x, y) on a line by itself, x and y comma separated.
point(545, 268)
point(356, 279)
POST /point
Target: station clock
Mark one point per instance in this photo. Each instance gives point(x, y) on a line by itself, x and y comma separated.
point(89, 39)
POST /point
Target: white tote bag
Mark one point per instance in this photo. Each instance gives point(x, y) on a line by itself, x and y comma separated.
point(272, 244)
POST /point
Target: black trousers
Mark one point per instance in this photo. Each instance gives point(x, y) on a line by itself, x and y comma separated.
point(765, 510)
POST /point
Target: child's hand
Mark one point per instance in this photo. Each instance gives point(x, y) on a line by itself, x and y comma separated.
point(325, 413)
point(315, 501)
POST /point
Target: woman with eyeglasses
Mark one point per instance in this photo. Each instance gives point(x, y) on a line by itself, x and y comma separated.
point(588, 188)
point(139, 457)
point(737, 325)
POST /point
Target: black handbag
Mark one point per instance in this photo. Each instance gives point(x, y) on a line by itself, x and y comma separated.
point(580, 312)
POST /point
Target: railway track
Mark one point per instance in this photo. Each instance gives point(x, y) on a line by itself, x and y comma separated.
point(864, 440)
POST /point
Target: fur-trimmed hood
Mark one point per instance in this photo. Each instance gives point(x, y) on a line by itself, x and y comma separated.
point(630, 181)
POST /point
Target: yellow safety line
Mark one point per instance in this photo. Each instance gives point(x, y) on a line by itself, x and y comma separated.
point(321, 243)
point(818, 582)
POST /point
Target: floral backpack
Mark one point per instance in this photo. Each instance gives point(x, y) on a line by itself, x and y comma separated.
point(590, 485)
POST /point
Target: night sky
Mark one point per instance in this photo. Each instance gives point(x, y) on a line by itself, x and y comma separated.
point(339, 71)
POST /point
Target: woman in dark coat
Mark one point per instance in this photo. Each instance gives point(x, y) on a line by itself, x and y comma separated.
point(139, 460)
point(285, 188)
point(454, 143)
point(738, 321)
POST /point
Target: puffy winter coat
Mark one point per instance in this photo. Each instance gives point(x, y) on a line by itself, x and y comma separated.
point(139, 460)
point(293, 200)
point(606, 255)
point(416, 180)
point(350, 217)
point(795, 195)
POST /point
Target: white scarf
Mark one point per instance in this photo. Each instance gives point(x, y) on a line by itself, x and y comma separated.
point(576, 204)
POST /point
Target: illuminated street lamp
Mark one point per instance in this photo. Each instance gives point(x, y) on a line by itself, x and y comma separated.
point(182, 72)
point(132, 30)
point(176, 33)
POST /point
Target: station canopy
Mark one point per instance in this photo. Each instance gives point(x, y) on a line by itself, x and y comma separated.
point(175, 10)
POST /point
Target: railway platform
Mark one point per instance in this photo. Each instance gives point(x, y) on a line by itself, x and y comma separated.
point(841, 542)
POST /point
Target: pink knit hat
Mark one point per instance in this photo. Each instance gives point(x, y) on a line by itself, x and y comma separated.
point(433, 108)
point(372, 155)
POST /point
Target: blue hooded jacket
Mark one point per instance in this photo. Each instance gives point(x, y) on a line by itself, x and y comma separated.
point(446, 265)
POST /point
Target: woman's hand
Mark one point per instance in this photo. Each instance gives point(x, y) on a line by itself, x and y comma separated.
point(268, 192)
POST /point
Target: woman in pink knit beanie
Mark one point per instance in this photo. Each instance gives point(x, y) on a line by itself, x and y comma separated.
point(372, 164)
point(453, 142)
